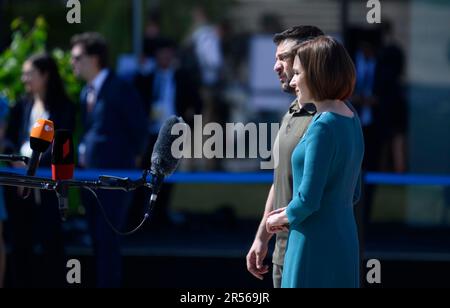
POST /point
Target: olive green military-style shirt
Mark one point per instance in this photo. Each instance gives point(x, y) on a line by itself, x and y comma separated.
point(293, 127)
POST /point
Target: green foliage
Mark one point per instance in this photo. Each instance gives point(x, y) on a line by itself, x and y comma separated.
point(26, 42)
point(73, 85)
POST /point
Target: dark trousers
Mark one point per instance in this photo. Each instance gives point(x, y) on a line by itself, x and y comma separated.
point(371, 163)
point(108, 257)
point(36, 228)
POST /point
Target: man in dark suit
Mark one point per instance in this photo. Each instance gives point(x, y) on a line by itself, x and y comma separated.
point(114, 133)
point(167, 91)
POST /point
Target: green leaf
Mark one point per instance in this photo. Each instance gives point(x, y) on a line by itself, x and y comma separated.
point(41, 23)
point(24, 43)
point(16, 23)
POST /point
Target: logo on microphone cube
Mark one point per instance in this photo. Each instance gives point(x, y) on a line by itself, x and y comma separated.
point(66, 149)
point(74, 274)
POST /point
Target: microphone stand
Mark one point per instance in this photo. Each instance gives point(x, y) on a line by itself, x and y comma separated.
point(148, 180)
point(14, 158)
point(18, 180)
point(104, 182)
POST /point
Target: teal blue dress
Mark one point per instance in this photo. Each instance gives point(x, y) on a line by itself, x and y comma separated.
point(322, 249)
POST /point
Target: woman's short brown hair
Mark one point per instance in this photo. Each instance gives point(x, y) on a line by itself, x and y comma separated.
point(329, 70)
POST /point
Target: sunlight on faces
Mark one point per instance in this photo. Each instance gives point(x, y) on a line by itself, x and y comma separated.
point(33, 80)
point(284, 58)
point(298, 83)
point(83, 65)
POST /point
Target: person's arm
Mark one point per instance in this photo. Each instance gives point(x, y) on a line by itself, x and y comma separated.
point(262, 234)
point(258, 251)
point(134, 118)
point(318, 157)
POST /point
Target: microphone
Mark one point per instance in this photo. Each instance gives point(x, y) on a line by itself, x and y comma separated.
point(41, 137)
point(63, 166)
point(163, 163)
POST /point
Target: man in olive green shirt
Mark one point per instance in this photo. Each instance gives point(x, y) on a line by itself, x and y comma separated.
point(293, 127)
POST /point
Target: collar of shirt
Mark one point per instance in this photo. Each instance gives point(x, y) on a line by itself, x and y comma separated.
point(167, 74)
point(99, 80)
point(307, 109)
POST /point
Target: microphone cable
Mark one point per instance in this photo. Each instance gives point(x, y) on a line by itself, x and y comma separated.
point(114, 229)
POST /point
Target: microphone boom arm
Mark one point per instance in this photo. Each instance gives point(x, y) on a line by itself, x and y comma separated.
point(104, 182)
point(14, 158)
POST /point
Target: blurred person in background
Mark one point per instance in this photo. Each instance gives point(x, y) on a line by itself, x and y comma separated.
point(205, 62)
point(206, 42)
point(322, 249)
point(4, 110)
point(115, 130)
point(152, 34)
point(391, 98)
point(38, 218)
point(3, 217)
point(166, 91)
point(47, 99)
point(128, 64)
point(382, 106)
point(366, 103)
point(368, 109)
point(293, 126)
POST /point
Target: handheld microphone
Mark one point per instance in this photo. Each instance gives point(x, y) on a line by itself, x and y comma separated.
point(163, 163)
point(41, 137)
point(63, 166)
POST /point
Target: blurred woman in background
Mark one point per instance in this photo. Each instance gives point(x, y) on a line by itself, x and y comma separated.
point(38, 218)
point(4, 109)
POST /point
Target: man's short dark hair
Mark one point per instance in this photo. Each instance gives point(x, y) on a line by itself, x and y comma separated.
point(94, 44)
point(298, 34)
point(163, 43)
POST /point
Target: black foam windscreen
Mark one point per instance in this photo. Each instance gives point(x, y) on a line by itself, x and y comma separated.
point(163, 161)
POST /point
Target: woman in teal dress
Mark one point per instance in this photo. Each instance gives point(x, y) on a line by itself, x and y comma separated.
point(322, 249)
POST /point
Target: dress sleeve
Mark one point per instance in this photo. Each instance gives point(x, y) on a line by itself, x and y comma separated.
point(319, 154)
